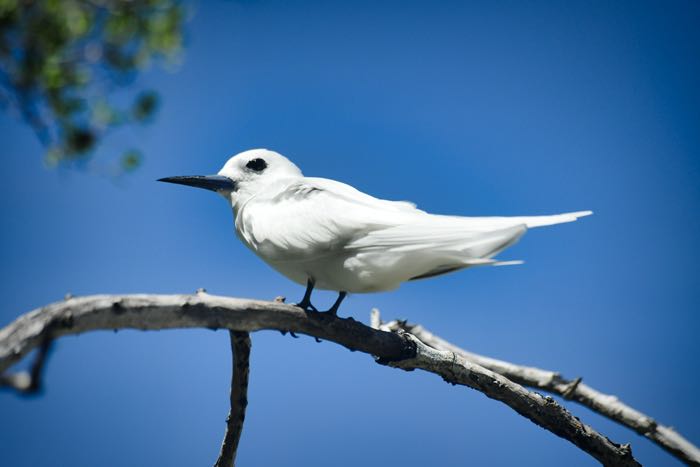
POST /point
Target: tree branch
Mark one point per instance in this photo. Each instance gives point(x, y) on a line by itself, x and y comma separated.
point(399, 349)
point(575, 390)
point(156, 312)
point(240, 353)
point(29, 382)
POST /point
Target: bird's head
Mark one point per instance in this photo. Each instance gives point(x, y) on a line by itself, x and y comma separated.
point(243, 174)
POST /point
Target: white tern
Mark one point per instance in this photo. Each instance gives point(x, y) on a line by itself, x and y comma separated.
point(326, 234)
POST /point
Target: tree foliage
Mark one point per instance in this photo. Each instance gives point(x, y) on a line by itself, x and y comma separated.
point(62, 60)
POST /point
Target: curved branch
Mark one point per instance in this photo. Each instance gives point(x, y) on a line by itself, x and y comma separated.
point(29, 382)
point(155, 312)
point(575, 390)
point(400, 350)
point(543, 411)
point(240, 353)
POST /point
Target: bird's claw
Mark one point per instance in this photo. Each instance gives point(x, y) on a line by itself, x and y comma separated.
point(334, 309)
point(306, 306)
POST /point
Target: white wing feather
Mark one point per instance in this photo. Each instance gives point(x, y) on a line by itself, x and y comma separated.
point(311, 218)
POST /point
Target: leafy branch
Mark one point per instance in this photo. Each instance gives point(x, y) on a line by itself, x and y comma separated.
point(61, 59)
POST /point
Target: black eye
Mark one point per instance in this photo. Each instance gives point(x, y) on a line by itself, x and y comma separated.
point(257, 164)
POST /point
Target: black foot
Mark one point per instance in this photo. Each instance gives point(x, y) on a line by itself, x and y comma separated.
point(305, 303)
point(306, 306)
point(334, 309)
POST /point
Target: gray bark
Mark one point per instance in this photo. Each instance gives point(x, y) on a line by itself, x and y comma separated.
point(552, 382)
point(398, 349)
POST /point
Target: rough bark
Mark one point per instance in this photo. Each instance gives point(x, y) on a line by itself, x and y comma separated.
point(397, 349)
point(240, 361)
point(155, 312)
point(552, 382)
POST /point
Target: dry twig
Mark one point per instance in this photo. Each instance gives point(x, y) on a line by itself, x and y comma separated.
point(240, 355)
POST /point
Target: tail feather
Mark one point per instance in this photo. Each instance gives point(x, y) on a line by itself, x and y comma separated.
point(487, 224)
point(463, 264)
point(491, 262)
point(540, 221)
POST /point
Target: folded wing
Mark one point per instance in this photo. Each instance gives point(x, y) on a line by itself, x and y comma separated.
point(312, 218)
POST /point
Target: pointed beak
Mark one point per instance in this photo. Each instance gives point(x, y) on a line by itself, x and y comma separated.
point(208, 182)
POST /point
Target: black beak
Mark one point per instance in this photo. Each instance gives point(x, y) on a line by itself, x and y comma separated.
point(208, 182)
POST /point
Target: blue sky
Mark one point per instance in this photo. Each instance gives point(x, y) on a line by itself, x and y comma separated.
point(494, 108)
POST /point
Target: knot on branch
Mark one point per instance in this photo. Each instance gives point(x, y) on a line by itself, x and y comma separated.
point(651, 426)
point(118, 308)
point(626, 450)
point(570, 390)
point(408, 351)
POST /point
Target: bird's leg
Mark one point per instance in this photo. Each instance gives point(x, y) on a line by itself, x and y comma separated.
point(334, 309)
point(305, 303)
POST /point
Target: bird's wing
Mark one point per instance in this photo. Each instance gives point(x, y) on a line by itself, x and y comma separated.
point(307, 218)
point(448, 237)
point(466, 238)
point(313, 216)
point(431, 245)
point(355, 196)
point(430, 231)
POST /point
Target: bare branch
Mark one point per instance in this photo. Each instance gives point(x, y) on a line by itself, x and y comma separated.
point(240, 352)
point(29, 382)
point(400, 350)
point(544, 411)
point(155, 312)
point(575, 390)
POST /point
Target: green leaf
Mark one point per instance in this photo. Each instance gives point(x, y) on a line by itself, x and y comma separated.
point(62, 59)
point(145, 106)
point(79, 140)
point(131, 160)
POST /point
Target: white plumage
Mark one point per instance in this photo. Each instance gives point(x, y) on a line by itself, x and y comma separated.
point(329, 235)
point(345, 240)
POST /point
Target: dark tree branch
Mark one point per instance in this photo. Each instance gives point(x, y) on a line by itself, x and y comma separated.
point(401, 350)
point(552, 382)
point(240, 352)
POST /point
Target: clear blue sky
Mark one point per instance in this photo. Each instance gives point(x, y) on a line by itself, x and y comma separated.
point(489, 108)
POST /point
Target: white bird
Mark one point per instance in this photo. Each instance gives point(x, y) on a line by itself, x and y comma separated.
point(326, 234)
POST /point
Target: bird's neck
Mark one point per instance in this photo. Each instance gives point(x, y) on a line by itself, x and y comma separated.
point(244, 194)
point(239, 199)
point(267, 191)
